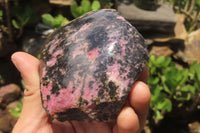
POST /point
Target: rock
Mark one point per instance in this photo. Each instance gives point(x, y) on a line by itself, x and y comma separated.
point(191, 49)
point(162, 20)
point(146, 4)
point(6, 122)
point(89, 67)
point(12, 105)
point(8, 94)
point(180, 30)
point(32, 44)
point(165, 46)
point(161, 51)
point(194, 127)
point(62, 2)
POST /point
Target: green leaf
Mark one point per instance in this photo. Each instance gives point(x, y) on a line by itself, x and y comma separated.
point(167, 61)
point(60, 21)
point(192, 70)
point(1, 14)
point(23, 15)
point(19, 106)
point(57, 21)
point(39, 56)
point(23, 85)
point(73, 10)
point(80, 10)
point(197, 70)
point(192, 89)
point(95, 5)
point(182, 97)
point(16, 24)
point(180, 105)
point(29, 16)
point(166, 105)
point(187, 89)
point(173, 78)
point(152, 70)
point(198, 3)
point(184, 89)
point(48, 19)
point(153, 58)
point(25, 21)
point(198, 107)
point(155, 93)
point(158, 115)
point(184, 76)
point(64, 21)
point(15, 113)
point(85, 4)
point(167, 89)
point(160, 60)
point(153, 81)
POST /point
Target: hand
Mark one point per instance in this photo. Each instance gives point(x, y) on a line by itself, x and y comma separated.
point(34, 119)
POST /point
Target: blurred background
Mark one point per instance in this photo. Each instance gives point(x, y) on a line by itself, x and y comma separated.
point(171, 29)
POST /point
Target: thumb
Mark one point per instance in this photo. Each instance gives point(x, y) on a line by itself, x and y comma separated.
point(32, 111)
point(29, 68)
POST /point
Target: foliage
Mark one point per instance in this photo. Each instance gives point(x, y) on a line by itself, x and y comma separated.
point(39, 56)
point(1, 80)
point(106, 3)
point(17, 111)
point(191, 10)
point(167, 84)
point(1, 14)
point(85, 7)
point(194, 74)
point(54, 22)
point(23, 16)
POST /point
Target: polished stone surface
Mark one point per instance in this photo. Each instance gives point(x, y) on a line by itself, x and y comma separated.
point(89, 67)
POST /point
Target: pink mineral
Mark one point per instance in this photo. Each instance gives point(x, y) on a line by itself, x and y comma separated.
point(89, 67)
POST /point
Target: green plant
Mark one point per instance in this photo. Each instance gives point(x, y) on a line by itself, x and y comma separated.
point(23, 16)
point(191, 10)
point(167, 83)
point(1, 14)
point(85, 7)
point(106, 3)
point(39, 56)
point(54, 22)
point(1, 80)
point(17, 111)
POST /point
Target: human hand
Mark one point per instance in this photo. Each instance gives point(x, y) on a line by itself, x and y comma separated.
point(34, 119)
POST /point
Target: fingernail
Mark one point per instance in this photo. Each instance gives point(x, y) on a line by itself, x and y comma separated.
point(14, 59)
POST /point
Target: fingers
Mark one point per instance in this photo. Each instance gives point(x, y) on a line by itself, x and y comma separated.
point(32, 106)
point(28, 67)
point(132, 118)
point(127, 121)
point(139, 99)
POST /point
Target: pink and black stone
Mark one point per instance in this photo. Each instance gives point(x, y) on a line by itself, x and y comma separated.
point(89, 67)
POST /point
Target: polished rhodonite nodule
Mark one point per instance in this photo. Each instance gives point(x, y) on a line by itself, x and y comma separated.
point(89, 66)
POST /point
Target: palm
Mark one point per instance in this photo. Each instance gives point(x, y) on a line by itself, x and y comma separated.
point(85, 127)
point(34, 118)
point(72, 127)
